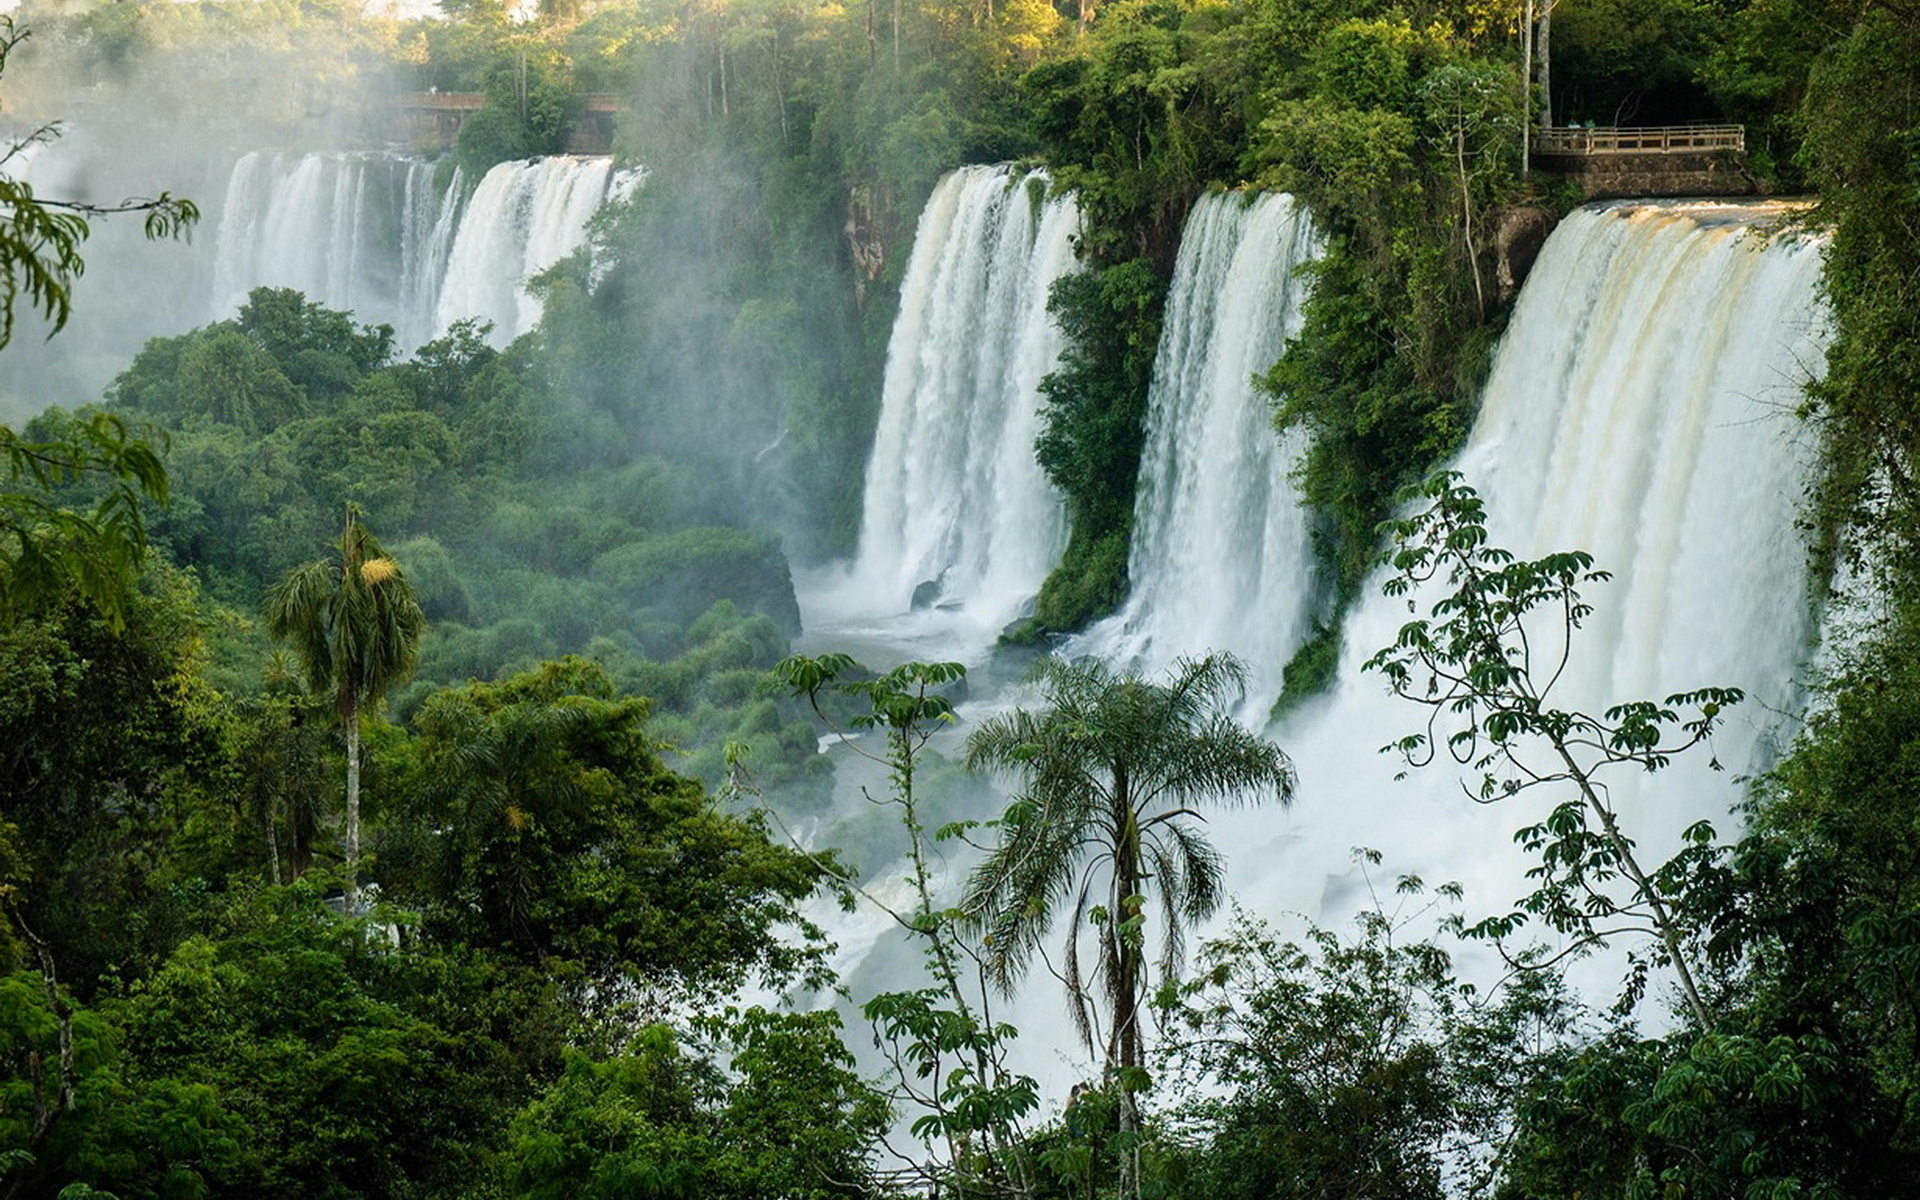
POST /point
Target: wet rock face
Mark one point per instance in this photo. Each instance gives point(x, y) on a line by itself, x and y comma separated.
point(1517, 241)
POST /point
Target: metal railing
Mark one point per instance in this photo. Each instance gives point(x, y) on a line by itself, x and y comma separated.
point(1668, 139)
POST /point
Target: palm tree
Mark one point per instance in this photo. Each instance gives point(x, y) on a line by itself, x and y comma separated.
point(355, 627)
point(1110, 771)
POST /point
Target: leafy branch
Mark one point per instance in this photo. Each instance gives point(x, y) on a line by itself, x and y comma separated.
point(1478, 659)
point(945, 1046)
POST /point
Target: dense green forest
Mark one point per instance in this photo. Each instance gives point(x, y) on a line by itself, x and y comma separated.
point(385, 739)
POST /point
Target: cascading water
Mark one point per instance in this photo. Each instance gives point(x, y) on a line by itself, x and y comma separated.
point(523, 218)
point(1221, 558)
point(378, 236)
point(383, 236)
point(958, 515)
point(364, 233)
point(1641, 408)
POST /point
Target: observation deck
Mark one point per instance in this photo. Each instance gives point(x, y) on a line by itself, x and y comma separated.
point(1625, 162)
point(432, 120)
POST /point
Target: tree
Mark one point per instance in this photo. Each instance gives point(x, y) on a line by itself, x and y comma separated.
point(1111, 770)
point(1356, 1065)
point(944, 1043)
point(49, 550)
point(356, 629)
point(1483, 656)
point(779, 1112)
point(40, 237)
point(46, 549)
point(546, 829)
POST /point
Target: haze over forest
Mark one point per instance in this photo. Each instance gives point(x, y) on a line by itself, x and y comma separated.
point(779, 599)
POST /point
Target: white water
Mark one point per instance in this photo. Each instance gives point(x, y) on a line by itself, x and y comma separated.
point(1641, 408)
point(355, 232)
point(954, 496)
point(1221, 558)
point(375, 235)
point(523, 218)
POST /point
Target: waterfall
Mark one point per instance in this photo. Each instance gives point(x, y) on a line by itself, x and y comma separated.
point(1221, 558)
point(523, 218)
point(958, 517)
point(377, 236)
point(364, 233)
point(1641, 407)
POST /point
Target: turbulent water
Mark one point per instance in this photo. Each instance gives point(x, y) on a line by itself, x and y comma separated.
point(1641, 408)
point(959, 519)
point(1221, 558)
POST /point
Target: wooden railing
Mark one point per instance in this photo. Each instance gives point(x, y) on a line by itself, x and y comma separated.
point(442, 101)
point(1669, 139)
point(433, 119)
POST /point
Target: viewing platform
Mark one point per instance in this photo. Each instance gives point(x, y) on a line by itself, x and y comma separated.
point(1625, 162)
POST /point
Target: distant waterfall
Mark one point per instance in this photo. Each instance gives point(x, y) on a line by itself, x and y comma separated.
point(359, 232)
point(1221, 558)
point(384, 237)
point(1641, 408)
point(956, 508)
point(523, 218)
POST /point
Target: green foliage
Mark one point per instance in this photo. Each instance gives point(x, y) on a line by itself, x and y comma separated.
point(49, 550)
point(517, 553)
point(544, 827)
point(40, 237)
point(788, 1119)
point(1638, 63)
point(1311, 669)
point(1403, 141)
point(1094, 423)
point(353, 624)
point(1356, 1066)
point(1861, 114)
point(106, 734)
point(339, 1076)
point(1487, 674)
point(74, 1118)
point(526, 109)
point(947, 1053)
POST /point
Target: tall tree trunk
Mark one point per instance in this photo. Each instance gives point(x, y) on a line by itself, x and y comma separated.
point(1526, 89)
point(353, 807)
point(1126, 1041)
point(1466, 215)
point(1546, 65)
point(45, 1113)
point(273, 838)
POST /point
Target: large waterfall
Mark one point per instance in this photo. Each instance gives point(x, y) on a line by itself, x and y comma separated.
point(1221, 558)
point(391, 238)
point(1641, 408)
point(959, 519)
